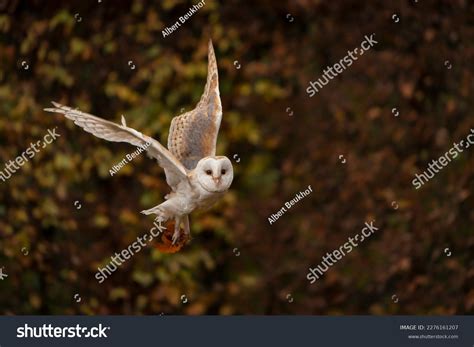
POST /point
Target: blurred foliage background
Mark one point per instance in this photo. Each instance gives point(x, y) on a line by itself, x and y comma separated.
point(78, 53)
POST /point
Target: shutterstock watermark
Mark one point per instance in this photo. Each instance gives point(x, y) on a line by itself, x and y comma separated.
point(134, 248)
point(48, 331)
point(344, 63)
point(444, 160)
point(314, 273)
point(14, 165)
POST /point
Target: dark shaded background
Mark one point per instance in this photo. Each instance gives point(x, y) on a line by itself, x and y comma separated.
point(85, 64)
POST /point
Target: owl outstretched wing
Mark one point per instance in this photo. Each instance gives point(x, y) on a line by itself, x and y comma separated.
point(193, 135)
point(175, 171)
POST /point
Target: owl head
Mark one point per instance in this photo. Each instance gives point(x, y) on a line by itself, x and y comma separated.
point(215, 174)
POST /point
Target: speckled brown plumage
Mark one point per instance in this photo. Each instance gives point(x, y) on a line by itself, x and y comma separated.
point(193, 135)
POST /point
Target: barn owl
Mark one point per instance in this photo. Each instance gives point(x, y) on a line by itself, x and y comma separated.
point(197, 177)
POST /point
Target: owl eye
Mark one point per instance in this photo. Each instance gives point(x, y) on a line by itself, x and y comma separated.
point(208, 172)
point(223, 172)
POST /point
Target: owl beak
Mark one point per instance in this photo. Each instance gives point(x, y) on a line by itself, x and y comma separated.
point(217, 180)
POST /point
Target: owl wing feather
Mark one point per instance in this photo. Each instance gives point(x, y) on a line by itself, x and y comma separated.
point(104, 129)
point(193, 135)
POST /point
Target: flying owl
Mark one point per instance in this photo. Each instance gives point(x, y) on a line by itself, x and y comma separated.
point(197, 177)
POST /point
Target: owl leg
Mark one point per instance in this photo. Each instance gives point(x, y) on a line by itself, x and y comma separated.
point(164, 211)
point(177, 224)
point(186, 225)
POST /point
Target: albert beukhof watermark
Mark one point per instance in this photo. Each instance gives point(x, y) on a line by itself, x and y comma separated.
point(289, 204)
point(128, 158)
point(14, 165)
point(192, 10)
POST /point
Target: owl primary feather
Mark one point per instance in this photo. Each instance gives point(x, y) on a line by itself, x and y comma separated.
point(197, 177)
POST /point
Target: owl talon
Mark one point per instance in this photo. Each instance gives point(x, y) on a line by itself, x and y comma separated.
point(160, 212)
point(175, 237)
